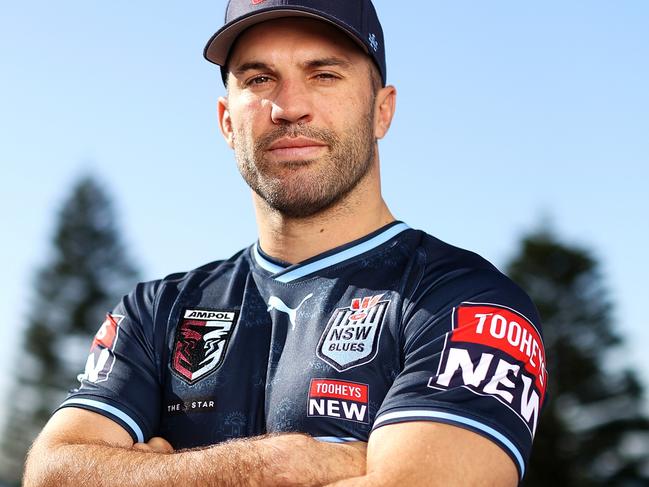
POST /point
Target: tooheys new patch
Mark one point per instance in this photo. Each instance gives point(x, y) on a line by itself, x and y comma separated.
point(338, 399)
point(496, 351)
point(102, 358)
point(352, 334)
point(201, 342)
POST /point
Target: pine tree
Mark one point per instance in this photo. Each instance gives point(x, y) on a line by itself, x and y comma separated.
point(593, 431)
point(86, 274)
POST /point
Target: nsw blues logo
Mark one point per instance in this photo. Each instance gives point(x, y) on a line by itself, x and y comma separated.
point(352, 334)
point(202, 339)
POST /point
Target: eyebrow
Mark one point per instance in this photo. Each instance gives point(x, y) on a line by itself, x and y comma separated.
point(327, 61)
point(310, 64)
point(250, 66)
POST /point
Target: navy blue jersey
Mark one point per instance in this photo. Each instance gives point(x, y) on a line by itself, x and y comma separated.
point(397, 326)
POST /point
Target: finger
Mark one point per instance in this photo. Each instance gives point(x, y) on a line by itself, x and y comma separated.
point(160, 445)
point(142, 447)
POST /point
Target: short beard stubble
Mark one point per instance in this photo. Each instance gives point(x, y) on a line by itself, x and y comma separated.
point(350, 158)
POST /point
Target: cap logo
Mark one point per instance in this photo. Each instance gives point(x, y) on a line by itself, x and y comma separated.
point(257, 2)
point(373, 42)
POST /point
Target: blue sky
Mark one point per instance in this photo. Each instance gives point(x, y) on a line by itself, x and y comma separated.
point(508, 113)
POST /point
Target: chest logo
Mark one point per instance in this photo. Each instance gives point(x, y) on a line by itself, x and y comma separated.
point(275, 303)
point(202, 339)
point(352, 334)
point(339, 399)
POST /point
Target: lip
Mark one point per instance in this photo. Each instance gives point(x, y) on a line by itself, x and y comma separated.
point(297, 147)
point(294, 143)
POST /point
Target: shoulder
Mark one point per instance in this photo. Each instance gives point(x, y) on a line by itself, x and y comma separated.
point(237, 262)
point(448, 277)
point(153, 293)
point(208, 272)
point(441, 256)
point(443, 265)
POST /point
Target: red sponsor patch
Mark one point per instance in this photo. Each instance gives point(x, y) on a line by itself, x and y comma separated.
point(105, 337)
point(101, 359)
point(338, 399)
point(338, 389)
point(504, 329)
point(494, 351)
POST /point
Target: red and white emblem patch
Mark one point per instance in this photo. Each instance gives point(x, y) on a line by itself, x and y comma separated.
point(496, 351)
point(202, 338)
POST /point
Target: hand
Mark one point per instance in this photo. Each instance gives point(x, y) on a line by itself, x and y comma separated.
point(299, 460)
point(360, 447)
point(155, 445)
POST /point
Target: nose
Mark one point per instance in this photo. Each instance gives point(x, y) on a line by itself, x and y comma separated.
point(291, 103)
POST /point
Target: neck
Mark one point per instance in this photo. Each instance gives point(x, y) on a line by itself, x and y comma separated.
point(294, 240)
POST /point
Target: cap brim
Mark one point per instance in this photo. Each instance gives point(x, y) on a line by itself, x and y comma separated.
point(218, 47)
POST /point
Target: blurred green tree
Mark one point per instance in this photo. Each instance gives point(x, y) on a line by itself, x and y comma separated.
point(593, 431)
point(87, 273)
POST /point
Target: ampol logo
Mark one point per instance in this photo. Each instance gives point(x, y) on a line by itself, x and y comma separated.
point(202, 338)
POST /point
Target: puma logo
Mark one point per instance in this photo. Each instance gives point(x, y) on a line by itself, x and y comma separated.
point(275, 303)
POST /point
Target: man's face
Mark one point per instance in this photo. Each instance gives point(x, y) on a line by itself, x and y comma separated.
point(300, 114)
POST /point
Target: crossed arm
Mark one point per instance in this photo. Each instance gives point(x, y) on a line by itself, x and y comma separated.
point(81, 447)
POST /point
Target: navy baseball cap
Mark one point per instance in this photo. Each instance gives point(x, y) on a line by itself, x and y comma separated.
point(356, 18)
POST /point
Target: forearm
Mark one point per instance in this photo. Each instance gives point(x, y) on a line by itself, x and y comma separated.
point(429, 454)
point(80, 464)
point(289, 460)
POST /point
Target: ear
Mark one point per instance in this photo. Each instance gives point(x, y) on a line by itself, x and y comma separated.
point(385, 105)
point(225, 122)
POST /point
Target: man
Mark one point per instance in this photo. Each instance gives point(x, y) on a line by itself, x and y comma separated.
point(341, 327)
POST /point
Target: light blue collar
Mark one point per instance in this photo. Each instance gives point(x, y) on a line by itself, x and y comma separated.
point(289, 274)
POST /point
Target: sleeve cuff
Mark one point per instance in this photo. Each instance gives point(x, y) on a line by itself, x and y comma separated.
point(117, 415)
point(404, 415)
point(336, 439)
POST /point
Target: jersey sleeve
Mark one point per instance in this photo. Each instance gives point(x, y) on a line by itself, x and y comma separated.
point(120, 380)
point(473, 357)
